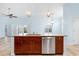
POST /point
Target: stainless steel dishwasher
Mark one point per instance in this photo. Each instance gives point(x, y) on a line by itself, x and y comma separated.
point(48, 45)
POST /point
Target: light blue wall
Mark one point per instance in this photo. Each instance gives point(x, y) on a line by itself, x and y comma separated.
point(3, 21)
point(37, 22)
point(69, 12)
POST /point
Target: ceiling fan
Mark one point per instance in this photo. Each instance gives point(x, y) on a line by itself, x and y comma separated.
point(10, 15)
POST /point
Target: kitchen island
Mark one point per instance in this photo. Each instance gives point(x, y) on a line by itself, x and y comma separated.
point(39, 45)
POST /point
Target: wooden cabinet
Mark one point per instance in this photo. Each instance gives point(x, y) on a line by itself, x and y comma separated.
point(27, 45)
point(59, 44)
point(32, 45)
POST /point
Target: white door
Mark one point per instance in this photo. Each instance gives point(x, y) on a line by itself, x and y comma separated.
point(75, 31)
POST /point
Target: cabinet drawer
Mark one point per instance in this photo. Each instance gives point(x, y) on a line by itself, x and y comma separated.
point(36, 39)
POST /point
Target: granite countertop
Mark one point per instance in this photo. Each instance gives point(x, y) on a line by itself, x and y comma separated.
point(43, 35)
point(53, 35)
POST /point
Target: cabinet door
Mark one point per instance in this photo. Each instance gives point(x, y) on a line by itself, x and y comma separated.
point(59, 44)
point(18, 45)
point(28, 45)
point(26, 41)
point(36, 45)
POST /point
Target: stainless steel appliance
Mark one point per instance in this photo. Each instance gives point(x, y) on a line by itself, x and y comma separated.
point(48, 45)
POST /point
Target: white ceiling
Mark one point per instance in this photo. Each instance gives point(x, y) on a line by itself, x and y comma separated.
point(20, 8)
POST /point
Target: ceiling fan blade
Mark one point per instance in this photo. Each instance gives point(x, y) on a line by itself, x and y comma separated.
point(4, 14)
point(15, 16)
